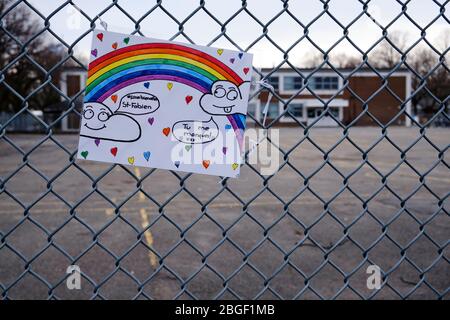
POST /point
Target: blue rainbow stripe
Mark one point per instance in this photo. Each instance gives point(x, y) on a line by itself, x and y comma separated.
point(202, 83)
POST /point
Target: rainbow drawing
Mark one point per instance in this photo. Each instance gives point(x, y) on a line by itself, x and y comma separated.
point(159, 61)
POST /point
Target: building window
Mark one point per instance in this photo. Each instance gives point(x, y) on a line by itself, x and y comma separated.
point(334, 112)
point(296, 109)
point(275, 82)
point(272, 112)
point(314, 112)
point(324, 83)
point(292, 83)
point(317, 112)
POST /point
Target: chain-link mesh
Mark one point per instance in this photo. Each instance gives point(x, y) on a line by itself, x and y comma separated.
point(343, 199)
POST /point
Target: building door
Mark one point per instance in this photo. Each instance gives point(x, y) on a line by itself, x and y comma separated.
point(71, 84)
point(326, 120)
point(272, 112)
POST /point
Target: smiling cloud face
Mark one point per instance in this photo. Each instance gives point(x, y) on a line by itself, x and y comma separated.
point(100, 123)
point(224, 99)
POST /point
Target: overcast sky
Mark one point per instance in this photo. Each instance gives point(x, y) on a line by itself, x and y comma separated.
point(69, 24)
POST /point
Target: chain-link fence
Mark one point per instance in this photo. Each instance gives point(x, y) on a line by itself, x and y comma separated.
point(344, 198)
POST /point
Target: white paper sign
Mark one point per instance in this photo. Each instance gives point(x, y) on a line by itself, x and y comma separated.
point(164, 104)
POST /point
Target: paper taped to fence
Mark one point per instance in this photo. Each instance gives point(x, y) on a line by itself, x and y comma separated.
point(164, 104)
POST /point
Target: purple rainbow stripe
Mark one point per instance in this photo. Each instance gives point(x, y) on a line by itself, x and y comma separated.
point(237, 131)
point(124, 84)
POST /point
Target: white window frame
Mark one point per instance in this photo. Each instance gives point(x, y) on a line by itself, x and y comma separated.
point(289, 118)
point(279, 81)
point(282, 82)
point(331, 91)
point(314, 103)
point(306, 91)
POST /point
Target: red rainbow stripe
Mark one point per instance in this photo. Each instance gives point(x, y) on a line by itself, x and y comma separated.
point(164, 48)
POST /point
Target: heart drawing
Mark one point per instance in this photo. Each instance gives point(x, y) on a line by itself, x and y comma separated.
point(114, 151)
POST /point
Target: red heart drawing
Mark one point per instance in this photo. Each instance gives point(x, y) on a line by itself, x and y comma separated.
point(188, 99)
point(114, 98)
point(166, 131)
point(114, 45)
point(246, 70)
point(114, 151)
point(206, 163)
point(100, 36)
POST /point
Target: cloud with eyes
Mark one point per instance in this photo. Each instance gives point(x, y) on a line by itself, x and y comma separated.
point(225, 99)
point(99, 122)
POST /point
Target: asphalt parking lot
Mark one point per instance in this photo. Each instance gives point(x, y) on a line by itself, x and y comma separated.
point(289, 242)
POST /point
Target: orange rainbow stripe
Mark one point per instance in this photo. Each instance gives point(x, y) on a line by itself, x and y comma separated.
point(153, 61)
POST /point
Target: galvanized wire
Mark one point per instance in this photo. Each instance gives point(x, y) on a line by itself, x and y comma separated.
point(304, 178)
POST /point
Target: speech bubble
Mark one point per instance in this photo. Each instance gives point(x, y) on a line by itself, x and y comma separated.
point(195, 131)
point(138, 103)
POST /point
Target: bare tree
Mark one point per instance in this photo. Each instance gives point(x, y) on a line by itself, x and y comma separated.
point(313, 60)
point(388, 52)
point(25, 74)
point(337, 60)
point(433, 81)
point(345, 61)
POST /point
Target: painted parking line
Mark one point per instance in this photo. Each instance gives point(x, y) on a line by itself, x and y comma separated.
point(145, 223)
point(110, 211)
point(148, 236)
